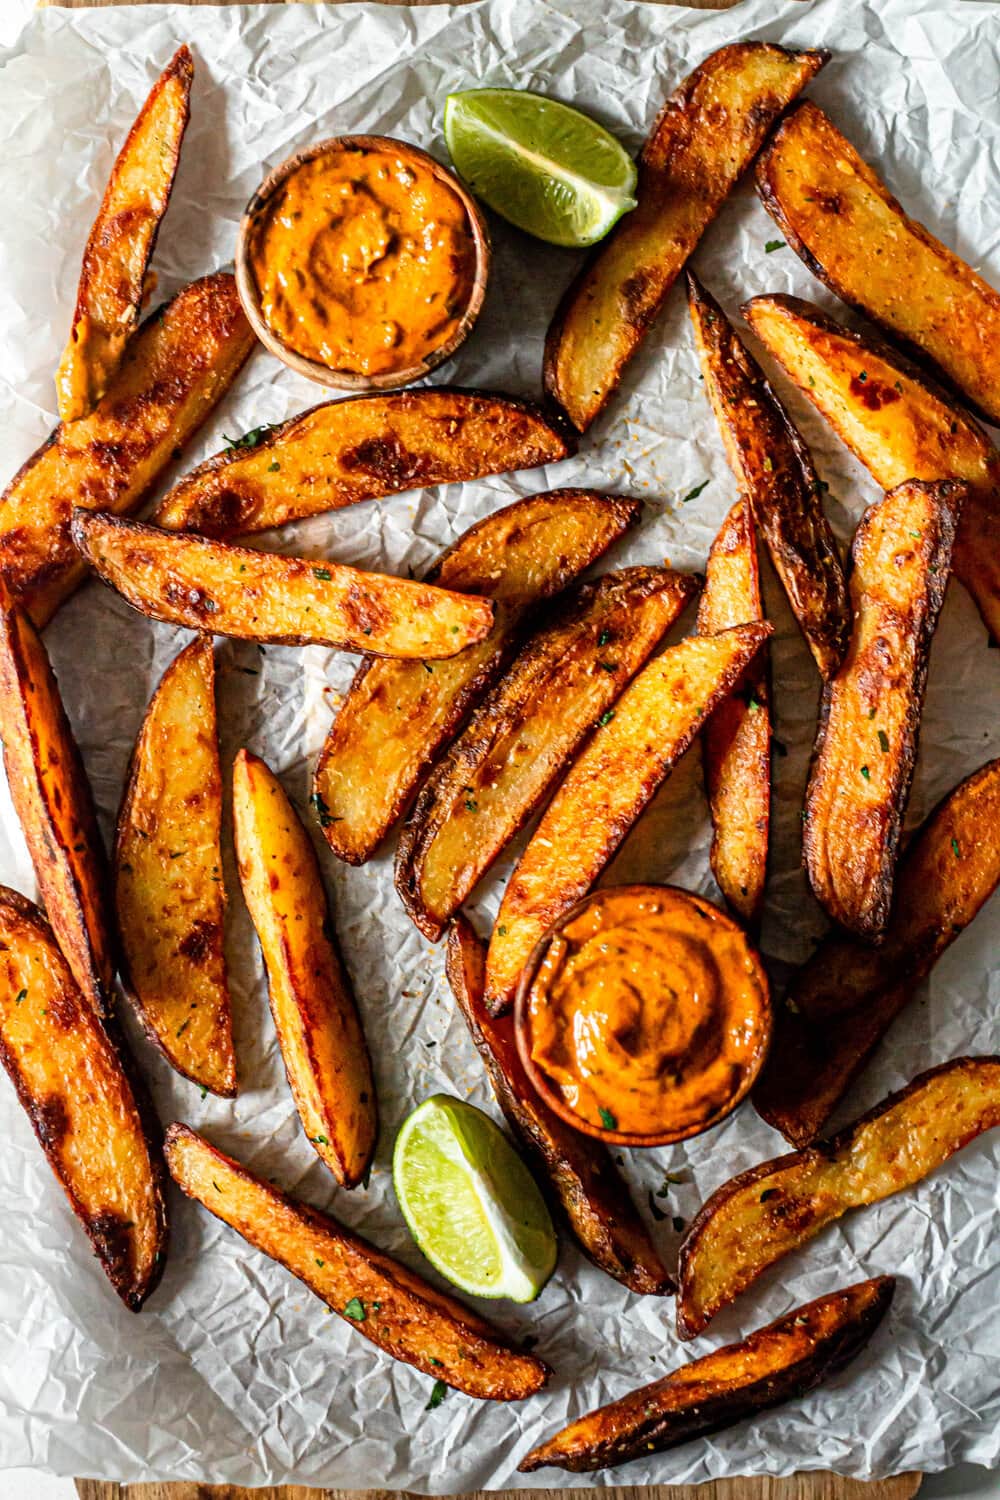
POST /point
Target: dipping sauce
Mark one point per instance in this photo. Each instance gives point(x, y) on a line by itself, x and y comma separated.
point(647, 1014)
point(364, 259)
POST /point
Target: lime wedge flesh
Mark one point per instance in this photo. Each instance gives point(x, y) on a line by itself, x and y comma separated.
point(470, 1202)
point(546, 167)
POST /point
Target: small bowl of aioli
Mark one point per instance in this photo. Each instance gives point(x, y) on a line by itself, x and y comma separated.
point(362, 262)
point(643, 1017)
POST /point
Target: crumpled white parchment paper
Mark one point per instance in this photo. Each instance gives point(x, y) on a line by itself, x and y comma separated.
point(234, 1372)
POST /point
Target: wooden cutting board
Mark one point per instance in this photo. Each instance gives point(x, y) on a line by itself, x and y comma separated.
point(813, 1486)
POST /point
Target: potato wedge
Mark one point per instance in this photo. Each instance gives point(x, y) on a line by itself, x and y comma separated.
point(579, 1172)
point(841, 1002)
point(704, 138)
point(122, 240)
point(736, 741)
point(315, 1013)
point(392, 1306)
point(169, 893)
point(788, 1358)
point(774, 470)
point(850, 231)
point(866, 745)
point(260, 596)
point(630, 753)
point(177, 368)
point(528, 727)
point(55, 807)
point(397, 716)
point(74, 1090)
point(774, 1208)
point(360, 448)
point(898, 425)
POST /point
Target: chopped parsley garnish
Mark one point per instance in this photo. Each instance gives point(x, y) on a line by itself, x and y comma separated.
point(355, 1309)
point(773, 245)
point(21, 995)
point(606, 717)
point(955, 849)
point(273, 468)
point(251, 439)
point(604, 637)
point(866, 773)
point(693, 494)
point(883, 742)
point(323, 574)
point(322, 810)
point(607, 1118)
point(319, 1140)
point(608, 666)
point(438, 1393)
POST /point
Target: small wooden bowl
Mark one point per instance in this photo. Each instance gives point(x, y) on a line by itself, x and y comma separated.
point(387, 380)
point(552, 1097)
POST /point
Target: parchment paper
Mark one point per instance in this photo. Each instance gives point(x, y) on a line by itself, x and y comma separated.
point(233, 1372)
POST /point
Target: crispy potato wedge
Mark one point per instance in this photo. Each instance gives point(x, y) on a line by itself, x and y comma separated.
point(528, 727)
point(897, 424)
point(736, 741)
point(579, 1172)
point(633, 749)
point(396, 1309)
point(315, 1013)
point(850, 231)
point(169, 892)
point(261, 596)
point(706, 135)
point(176, 369)
point(121, 243)
point(360, 448)
point(88, 1120)
point(866, 745)
point(397, 716)
point(775, 471)
point(842, 1001)
point(55, 807)
point(788, 1358)
point(767, 1212)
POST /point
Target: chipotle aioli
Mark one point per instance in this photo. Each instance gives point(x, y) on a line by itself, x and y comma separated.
point(364, 259)
point(648, 1014)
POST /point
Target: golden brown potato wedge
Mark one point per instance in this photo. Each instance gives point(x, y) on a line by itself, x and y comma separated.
point(176, 369)
point(261, 596)
point(357, 449)
point(866, 746)
point(579, 1172)
point(633, 749)
point(897, 424)
point(54, 805)
point(774, 1208)
point(396, 1309)
point(528, 727)
point(397, 716)
point(788, 1358)
point(736, 741)
point(774, 470)
point(706, 135)
point(168, 876)
point(70, 1080)
point(121, 243)
point(315, 1013)
point(838, 215)
point(843, 1000)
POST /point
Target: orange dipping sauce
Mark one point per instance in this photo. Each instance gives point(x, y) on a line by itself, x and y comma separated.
point(364, 260)
point(648, 1015)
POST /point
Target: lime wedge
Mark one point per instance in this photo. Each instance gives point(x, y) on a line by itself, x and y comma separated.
point(547, 168)
point(470, 1202)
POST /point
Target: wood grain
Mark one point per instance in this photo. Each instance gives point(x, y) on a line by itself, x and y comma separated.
point(799, 1487)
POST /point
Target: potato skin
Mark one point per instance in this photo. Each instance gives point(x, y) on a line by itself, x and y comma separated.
point(705, 136)
point(55, 807)
point(581, 1177)
point(778, 1363)
point(397, 716)
point(405, 1316)
point(315, 1013)
point(851, 232)
point(360, 448)
point(841, 1002)
point(93, 1127)
point(527, 729)
point(122, 241)
point(169, 891)
point(772, 1209)
point(177, 367)
point(866, 745)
